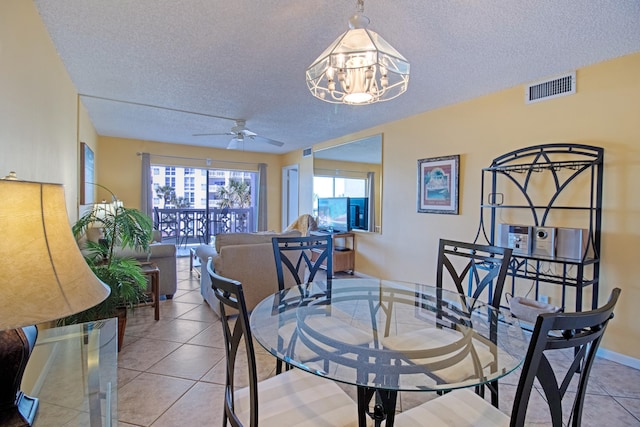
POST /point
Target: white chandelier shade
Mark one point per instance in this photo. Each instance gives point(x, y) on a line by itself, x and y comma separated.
point(360, 67)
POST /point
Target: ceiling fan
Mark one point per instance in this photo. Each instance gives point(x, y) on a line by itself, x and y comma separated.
point(239, 133)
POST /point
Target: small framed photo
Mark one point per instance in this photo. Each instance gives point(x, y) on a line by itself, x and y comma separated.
point(86, 175)
point(438, 185)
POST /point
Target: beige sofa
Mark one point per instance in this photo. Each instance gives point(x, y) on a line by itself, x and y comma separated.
point(245, 257)
point(164, 255)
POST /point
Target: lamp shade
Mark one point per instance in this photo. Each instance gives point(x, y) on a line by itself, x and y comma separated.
point(44, 276)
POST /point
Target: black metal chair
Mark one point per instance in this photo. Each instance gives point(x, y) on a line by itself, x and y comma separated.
point(579, 334)
point(483, 269)
point(288, 399)
point(478, 271)
point(303, 257)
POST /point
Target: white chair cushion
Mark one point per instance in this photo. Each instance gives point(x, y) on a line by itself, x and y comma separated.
point(330, 326)
point(296, 398)
point(460, 408)
point(436, 337)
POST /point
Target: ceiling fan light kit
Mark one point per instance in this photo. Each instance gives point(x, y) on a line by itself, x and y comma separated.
point(360, 67)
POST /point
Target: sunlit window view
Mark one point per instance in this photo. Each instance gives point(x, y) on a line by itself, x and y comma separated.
point(192, 205)
point(327, 186)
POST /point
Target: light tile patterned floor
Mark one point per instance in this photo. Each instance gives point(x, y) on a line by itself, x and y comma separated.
point(171, 372)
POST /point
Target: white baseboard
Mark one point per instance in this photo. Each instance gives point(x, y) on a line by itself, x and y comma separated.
point(362, 275)
point(632, 362)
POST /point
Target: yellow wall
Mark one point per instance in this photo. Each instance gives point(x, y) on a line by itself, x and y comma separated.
point(605, 112)
point(120, 168)
point(38, 104)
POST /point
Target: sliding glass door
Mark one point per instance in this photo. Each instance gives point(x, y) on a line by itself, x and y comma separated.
point(191, 204)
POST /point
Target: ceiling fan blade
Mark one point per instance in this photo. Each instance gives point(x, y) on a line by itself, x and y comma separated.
point(269, 141)
point(240, 133)
point(213, 134)
point(234, 144)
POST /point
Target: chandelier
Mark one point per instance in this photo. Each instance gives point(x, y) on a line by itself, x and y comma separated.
point(360, 67)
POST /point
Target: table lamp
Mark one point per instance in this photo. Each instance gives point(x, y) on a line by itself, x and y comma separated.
point(43, 277)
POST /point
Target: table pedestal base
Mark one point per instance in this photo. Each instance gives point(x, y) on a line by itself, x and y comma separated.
point(383, 409)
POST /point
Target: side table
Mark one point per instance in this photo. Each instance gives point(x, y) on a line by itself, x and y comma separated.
point(73, 371)
point(151, 269)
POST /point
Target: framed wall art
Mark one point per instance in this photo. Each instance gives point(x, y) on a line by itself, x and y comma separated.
point(86, 175)
point(438, 184)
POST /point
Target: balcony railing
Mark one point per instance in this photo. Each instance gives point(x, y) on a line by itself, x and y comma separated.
point(189, 225)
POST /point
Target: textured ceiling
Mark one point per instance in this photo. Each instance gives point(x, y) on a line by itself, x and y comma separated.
point(207, 62)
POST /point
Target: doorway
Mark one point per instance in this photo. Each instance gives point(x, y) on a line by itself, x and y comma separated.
point(289, 195)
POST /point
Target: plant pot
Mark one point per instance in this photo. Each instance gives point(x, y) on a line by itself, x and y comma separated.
point(122, 323)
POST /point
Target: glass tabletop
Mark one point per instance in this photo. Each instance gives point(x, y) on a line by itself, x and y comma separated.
point(389, 335)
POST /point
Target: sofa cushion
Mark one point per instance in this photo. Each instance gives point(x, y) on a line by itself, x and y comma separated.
point(92, 234)
point(249, 238)
point(246, 257)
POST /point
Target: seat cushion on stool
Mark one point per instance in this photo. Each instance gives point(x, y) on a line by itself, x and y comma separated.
point(321, 402)
point(460, 408)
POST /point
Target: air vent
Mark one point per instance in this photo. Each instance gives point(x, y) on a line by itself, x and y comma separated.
point(306, 152)
point(547, 89)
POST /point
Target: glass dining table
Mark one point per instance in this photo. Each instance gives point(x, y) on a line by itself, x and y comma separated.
point(386, 336)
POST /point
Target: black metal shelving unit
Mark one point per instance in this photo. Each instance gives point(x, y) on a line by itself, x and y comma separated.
point(545, 179)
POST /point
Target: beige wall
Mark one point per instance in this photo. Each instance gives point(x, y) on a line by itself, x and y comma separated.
point(38, 104)
point(120, 168)
point(605, 112)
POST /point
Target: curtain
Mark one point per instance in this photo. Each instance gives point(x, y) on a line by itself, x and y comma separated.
point(372, 200)
point(261, 222)
point(146, 191)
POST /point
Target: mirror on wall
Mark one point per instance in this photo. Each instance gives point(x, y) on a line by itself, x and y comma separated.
point(353, 170)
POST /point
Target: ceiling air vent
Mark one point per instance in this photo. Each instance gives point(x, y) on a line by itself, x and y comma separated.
point(306, 152)
point(547, 89)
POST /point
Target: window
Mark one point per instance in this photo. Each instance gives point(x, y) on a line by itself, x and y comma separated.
point(328, 186)
point(195, 188)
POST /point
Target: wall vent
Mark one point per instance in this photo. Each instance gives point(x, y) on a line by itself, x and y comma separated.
point(553, 88)
point(306, 152)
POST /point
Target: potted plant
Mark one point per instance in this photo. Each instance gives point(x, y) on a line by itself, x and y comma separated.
point(121, 228)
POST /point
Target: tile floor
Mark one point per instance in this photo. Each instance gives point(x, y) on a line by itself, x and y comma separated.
point(171, 372)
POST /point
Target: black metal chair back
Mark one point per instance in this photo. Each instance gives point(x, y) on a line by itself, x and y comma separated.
point(303, 257)
point(229, 293)
point(580, 333)
point(478, 271)
point(473, 269)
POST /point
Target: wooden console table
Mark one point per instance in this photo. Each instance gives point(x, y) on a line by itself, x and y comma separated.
point(344, 253)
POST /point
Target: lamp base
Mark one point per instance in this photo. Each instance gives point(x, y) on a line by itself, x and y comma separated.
point(16, 409)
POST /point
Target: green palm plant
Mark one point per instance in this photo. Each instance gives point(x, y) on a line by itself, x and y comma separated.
point(167, 193)
point(123, 227)
point(236, 195)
